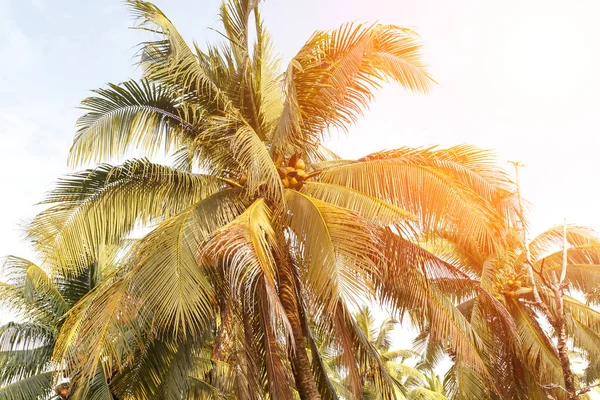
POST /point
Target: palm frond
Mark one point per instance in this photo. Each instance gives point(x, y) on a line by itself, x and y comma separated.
point(95, 208)
point(246, 248)
point(167, 276)
point(253, 156)
point(447, 204)
point(170, 60)
point(129, 116)
point(17, 364)
point(235, 16)
point(158, 369)
point(551, 240)
point(267, 79)
point(462, 383)
point(402, 286)
point(331, 79)
point(97, 389)
point(36, 387)
point(338, 248)
point(95, 331)
point(537, 347)
point(422, 393)
point(31, 286)
point(370, 208)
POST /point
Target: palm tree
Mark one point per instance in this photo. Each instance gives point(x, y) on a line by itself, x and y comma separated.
point(416, 382)
point(256, 226)
point(514, 327)
point(42, 301)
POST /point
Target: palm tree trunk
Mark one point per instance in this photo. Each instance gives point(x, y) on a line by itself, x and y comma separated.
point(301, 366)
point(565, 363)
point(560, 326)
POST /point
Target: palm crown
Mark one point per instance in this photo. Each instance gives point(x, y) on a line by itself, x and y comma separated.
point(261, 235)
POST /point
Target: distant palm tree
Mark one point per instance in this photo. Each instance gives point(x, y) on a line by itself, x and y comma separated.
point(414, 382)
point(257, 226)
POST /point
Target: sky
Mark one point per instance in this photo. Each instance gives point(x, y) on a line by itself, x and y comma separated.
point(517, 76)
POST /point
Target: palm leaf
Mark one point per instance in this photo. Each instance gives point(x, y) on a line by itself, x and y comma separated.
point(36, 387)
point(368, 207)
point(99, 207)
point(338, 248)
point(166, 274)
point(447, 204)
point(330, 81)
point(130, 116)
point(95, 331)
point(537, 347)
point(170, 60)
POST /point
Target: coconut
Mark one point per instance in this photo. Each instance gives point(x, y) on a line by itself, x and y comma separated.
point(62, 390)
point(300, 164)
point(302, 175)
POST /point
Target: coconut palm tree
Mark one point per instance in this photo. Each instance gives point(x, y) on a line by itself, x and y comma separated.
point(413, 382)
point(256, 226)
point(514, 327)
point(41, 302)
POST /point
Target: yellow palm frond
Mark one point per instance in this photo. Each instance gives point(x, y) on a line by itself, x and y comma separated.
point(370, 208)
point(170, 60)
point(338, 248)
point(447, 204)
point(246, 247)
point(166, 277)
point(95, 331)
point(551, 240)
point(130, 116)
point(99, 207)
point(331, 79)
point(537, 347)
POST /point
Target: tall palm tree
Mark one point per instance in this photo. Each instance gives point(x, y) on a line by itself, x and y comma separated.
point(256, 226)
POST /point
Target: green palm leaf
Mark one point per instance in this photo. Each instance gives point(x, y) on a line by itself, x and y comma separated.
point(98, 207)
point(121, 118)
point(36, 387)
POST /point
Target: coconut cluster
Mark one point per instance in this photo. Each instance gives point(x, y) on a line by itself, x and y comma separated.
point(511, 287)
point(292, 173)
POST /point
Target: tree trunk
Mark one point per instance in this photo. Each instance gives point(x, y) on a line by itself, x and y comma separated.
point(559, 325)
point(565, 363)
point(301, 366)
